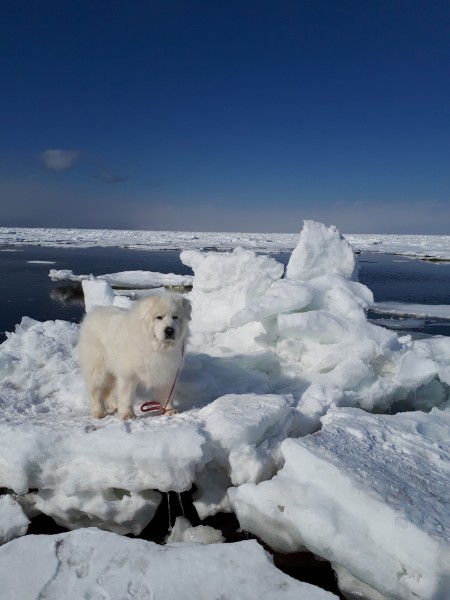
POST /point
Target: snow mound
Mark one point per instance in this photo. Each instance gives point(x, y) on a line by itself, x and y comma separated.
point(226, 282)
point(255, 331)
point(320, 250)
point(95, 564)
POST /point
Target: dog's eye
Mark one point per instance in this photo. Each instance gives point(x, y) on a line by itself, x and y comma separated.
point(159, 317)
point(174, 317)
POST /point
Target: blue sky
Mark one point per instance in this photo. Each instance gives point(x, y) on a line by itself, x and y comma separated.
point(226, 116)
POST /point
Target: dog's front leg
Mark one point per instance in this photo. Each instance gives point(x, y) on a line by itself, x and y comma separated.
point(162, 395)
point(126, 394)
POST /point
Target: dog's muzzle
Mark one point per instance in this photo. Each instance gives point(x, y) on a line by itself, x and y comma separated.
point(169, 333)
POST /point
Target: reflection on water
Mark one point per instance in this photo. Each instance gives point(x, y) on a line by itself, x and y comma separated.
point(27, 290)
point(68, 293)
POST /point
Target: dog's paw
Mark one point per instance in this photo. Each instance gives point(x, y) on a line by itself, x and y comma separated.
point(126, 416)
point(169, 412)
point(99, 413)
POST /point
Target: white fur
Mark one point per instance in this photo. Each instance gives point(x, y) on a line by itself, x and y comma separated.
point(121, 350)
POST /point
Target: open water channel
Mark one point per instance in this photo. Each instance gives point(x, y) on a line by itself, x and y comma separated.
point(27, 290)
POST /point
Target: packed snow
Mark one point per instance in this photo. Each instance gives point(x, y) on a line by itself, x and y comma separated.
point(279, 400)
point(418, 246)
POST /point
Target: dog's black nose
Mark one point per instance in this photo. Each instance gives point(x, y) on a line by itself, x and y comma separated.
point(169, 331)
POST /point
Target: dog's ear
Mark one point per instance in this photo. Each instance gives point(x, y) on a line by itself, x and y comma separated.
point(187, 307)
point(146, 310)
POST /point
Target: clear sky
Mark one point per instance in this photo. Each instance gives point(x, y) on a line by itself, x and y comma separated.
point(226, 115)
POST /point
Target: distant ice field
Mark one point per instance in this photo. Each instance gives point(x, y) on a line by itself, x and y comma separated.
point(26, 289)
point(419, 246)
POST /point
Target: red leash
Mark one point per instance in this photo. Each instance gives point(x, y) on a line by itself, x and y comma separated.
point(152, 405)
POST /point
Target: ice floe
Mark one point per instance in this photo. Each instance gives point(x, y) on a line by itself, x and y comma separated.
point(436, 311)
point(368, 492)
point(427, 247)
point(93, 564)
point(128, 279)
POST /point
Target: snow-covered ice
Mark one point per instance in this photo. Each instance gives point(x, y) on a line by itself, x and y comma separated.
point(13, 521)
point(437, 311)
point(399, 323)
point(97, 293)
point(417, 246)
point(431, 247)
point(226, 283)
point(271, 357)
point(368, 492)
point(146, 240)
point(182, 531)
point(128, 279)
point(99, 565)
point(310, 259)
point(354, 589)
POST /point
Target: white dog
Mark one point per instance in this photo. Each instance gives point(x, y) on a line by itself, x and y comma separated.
point(121, 350)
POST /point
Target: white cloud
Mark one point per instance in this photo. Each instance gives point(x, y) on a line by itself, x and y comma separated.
point(58, 160)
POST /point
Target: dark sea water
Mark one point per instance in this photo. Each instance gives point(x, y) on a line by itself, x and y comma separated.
point(26, 289)
point(400, 279)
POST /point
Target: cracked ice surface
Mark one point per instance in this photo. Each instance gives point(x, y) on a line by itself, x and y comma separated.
point(368, 492)
point(267, 359)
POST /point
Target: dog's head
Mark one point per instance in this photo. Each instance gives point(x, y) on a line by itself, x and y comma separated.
point(165, 317)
